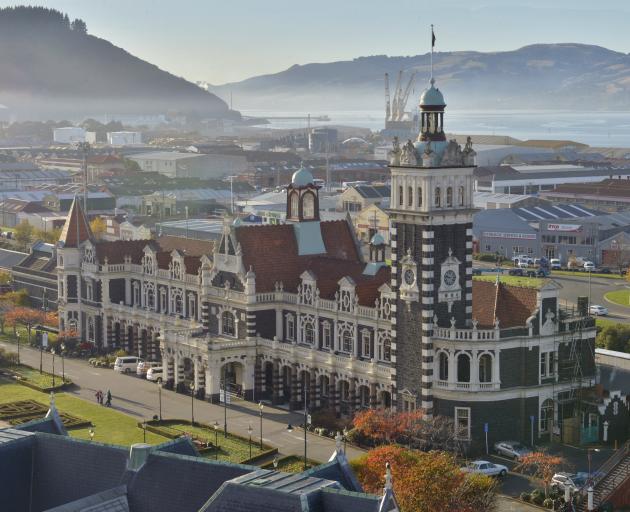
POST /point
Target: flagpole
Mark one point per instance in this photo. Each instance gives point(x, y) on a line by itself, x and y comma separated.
point(431, 52)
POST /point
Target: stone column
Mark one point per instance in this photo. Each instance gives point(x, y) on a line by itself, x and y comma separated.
point(213, 383)
point(179, 369)
point(170, 368)
point(128, 292)
point(109, 336)
point(276, 391)
point(294, 400)
point(196, 370)
point(201, 376)
point(354, 399)
point(333, 395)
point(279, 324)
point(373, 395)
point(452, 367)
point(313, 390)
point(258, 379)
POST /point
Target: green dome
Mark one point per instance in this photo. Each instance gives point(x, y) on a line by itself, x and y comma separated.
point(377, 239)
point(302, 178)
point(432, 97)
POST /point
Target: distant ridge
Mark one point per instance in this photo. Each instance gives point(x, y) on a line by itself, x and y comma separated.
point(558, 76)
point(51, 68)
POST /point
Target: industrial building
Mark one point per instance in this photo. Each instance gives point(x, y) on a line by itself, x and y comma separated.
point(190, 165)
point(69, 135)
point(609, 195)
point(124, 138)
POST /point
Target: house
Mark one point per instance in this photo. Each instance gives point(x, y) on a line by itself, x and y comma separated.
point(370, 221)
point(356, 198)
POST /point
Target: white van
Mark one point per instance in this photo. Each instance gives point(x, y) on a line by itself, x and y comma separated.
point(554, 263)
point(126, 364)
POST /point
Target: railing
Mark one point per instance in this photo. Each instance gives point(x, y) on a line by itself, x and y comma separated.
point(615, 459)
point(465, 334)
point(467, 386)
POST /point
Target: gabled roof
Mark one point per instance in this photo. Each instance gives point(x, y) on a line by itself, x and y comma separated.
point(511, 305)
point(76, 230)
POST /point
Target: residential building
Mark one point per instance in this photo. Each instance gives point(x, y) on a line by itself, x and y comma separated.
point(293, 312)
point(370, 221)
point(356, 198)
point(134, 230)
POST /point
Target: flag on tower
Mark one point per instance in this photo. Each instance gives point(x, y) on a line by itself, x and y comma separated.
point(432, 37)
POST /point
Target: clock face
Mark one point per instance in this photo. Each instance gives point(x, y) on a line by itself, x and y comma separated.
point(409, 277)
point(449, 278)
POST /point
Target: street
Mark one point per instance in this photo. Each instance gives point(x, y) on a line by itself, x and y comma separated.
point(139, 398)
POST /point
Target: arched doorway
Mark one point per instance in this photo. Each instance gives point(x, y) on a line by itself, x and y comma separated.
point(385, 400)
point(232, 377)
point(323, 384)
point(364, 397)
point(286, 384)
point(267, 381)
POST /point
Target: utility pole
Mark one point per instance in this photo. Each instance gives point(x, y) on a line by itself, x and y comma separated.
point(84, 147)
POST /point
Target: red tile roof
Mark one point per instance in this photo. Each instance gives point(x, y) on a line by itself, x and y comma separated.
point(76, 229)
point(512, 305)
point(272, 252)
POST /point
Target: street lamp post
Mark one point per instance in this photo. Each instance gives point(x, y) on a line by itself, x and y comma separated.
point(159, 384)
point(249, 431)
point(63, 363)
point(17, 337)
point(144, 431)
point(216, 440)
point(192, 404)
point(52, 351)
point(260, 407)
point(225, 399)
point(91, 433)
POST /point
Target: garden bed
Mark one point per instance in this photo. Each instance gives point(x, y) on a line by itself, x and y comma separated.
point(232, 448)
point(69, 421)
point(292, 464)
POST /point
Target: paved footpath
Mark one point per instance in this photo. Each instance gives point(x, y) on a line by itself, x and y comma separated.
point(139, 398)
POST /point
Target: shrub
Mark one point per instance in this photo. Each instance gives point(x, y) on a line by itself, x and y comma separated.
point(538, 497)
point(120, 353)
point(488, 257)
point(525, 496)
point(548, 503)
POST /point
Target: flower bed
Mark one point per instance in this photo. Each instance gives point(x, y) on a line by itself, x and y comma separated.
point(21, 409)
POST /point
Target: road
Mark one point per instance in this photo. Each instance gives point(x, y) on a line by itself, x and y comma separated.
point(139, 398)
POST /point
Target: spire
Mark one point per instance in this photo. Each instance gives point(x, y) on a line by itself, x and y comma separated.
point(76, 230)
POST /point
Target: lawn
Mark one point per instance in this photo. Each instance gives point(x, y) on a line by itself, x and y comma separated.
point(110, 426)
point(603, 322)
point(43, 380)
point(292, 464)
point(620, 297)
point(232, 449)
point(584, 274)
point(525, 282)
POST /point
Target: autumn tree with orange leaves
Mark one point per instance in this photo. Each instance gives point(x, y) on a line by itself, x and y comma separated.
point(24, 316)
point(425, 481)
point(384, 426)
point(541, 466)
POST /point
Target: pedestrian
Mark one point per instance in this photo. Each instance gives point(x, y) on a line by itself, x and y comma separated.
point(109, 398)
point(99, 397)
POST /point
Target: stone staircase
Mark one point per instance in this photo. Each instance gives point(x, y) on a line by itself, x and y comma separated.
point(614, 473)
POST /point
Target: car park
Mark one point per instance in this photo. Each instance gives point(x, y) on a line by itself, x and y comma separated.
point(126, 364)
point(597, 310)
point(574, 481)
point(155, 374)
point(144, 366)
point(485, 468)
point(511, 449)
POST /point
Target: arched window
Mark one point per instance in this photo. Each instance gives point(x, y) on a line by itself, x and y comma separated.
point(295, 200)
point(438, 197)
point(485, 368)
point(449, 197)
point(419, 198)
point(546, 415)
point(179, 305)
point(308, 206)
point(463, 368)
point(150, 298)
point(347, 342)
point(409, 196)
point(309, 333)
point(227, 323)
point(443, 366)
point(344, 390)
point(461, 196)
point(400, 196)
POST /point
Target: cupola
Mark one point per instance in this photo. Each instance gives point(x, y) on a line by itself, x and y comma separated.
point(302, 197)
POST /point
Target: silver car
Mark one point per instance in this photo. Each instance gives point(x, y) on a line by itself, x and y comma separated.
point(511, 449)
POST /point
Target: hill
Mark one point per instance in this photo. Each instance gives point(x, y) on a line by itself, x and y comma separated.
point(571, 76)
point(51, 68)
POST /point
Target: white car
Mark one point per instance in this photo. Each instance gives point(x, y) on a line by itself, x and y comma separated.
point(597, 310)
point(523, 264)
point(512, 449)
point(155, 374)
point(144, 366)
point(589, 266)
point(573, 481)
point(485, 468)
point(555, 264)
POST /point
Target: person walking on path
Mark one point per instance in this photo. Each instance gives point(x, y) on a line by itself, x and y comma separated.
point(109, 398)
point(99, 397)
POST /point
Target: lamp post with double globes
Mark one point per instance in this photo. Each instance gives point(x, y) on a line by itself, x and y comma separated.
point(249, 431)
point(192, 404)
point(52, 351)
point(216, 440)
point(260, 407)
point(63, 363)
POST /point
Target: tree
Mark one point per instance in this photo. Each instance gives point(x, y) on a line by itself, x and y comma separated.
point(385, 425)
point(98, 227)
point(540, 466)
point(24, 233)
point(48, 236)
point(78, 25)
point(28, 317)
point(5, 277)
point(614, 337)
point(424, 481)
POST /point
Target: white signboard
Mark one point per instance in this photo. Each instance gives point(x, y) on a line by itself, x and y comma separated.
point(564, 227)
point(519, 236)
point(45, 339)
point(222, 397)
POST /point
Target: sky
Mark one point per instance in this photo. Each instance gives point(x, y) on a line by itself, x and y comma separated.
point(220, 41)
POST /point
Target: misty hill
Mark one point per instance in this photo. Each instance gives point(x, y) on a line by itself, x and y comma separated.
point(571, 76)
point(51, 68)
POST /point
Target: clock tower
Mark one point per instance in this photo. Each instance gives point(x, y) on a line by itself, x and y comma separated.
point(431, 210)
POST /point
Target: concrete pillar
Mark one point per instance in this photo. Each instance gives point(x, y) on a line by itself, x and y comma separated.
point(196, 371)
point(279, 324)
point(170, 368)
point(213, 383)
point(128, 292)
point(105, 291)
point(109, 331)
point(258, 379)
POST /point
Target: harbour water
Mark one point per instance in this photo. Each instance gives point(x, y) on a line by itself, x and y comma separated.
point(610, 129)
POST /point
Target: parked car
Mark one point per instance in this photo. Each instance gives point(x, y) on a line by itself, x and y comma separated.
point(155, 374)
point(523, 264)
point(516, 272)
point(575, 481)
point(144, 366)
point(126, 364)
point(476, 272)
point(604, 270)
point(555, 264)
point(512, 449)
point(485, 468)
point(589, 266)
point(597, 310)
